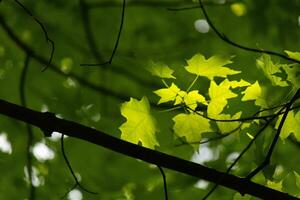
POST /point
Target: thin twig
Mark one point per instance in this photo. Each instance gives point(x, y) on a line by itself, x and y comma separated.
point(274, 142)
point(242, 153)
point(117, 40)
point(227, 40)
point(164, 180)
point(44, 30)
point(70, 168)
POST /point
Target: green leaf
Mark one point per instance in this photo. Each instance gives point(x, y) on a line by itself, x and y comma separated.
point(254, 92)
point(270, 70)
point(238, 196)
point(274, 185)
point(220, 93)
point(190, 99)
point(293, 75)
point(291, 125)
point(297, 176)
point(191, 126)
point(294, 55)
point(168, 94)
point(160, 70)
point(140, 125)
point(210, 68)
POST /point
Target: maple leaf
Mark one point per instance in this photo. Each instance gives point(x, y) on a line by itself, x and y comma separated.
point(291, 125)
point(191, 126)
point(160, 70)
point(167, 94)
point(254, 92)
point(140, 125)
point(210, 68)
point(270, 70)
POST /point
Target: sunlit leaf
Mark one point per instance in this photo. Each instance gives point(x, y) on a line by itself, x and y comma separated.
point(291, 125)
point(271, 70)
point(254, 92)
point(140, 125)
point(210, 68)
point(275, 185)
point(191, 126)
point(294, 55)
point(167, 94)
point(160, 70)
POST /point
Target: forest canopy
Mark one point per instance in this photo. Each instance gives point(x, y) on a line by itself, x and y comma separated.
point(149, 99)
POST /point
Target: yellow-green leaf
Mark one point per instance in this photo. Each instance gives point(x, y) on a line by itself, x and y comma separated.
point(192, 98)
point(210, 68)
point(167, 94)
point(191, 126)
point(291, 125)
point(160, 70)
point(218, 97)
point(294, 55)
point(274, 185)
point(270, 70)
point(254, 92)
point(140, 125)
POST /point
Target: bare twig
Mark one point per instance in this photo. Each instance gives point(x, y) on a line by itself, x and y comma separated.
point(227, 40)
point(165, 181)
point(77, 183)
point(44, 30)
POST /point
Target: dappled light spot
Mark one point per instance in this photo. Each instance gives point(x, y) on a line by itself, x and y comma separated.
point(5, 145)
point(44, 108)
point(201, 184)
point(205, 154)
point(36, 179)
point(96, 117)
point(75, 195)
point(42, 152)
point(69, 83)
point(299, 20)
point(231, 158)
point(55, 136)
point(239, 9)
point(201, 25)
point(66, 65)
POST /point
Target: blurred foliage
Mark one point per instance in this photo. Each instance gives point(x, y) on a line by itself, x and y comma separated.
point(150, 33)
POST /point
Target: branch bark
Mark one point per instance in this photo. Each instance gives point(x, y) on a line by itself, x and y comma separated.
point(49, 123)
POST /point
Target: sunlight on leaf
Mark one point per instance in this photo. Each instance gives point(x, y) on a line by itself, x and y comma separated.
point(270, 70)
point(274, 185)
point(160, 70)
point(294, 55)
point(191, 126)
point(254, 92)
point(291, 125)
point(167, 94)
point(140, 125)
point(210, 68)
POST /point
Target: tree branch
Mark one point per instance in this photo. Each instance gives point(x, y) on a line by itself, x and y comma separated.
point(49, 123)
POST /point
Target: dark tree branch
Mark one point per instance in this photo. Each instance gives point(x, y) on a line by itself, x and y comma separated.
point(49, 122)
point(227, 40)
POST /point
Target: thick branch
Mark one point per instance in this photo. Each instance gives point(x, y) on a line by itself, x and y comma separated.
point(49, 123)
